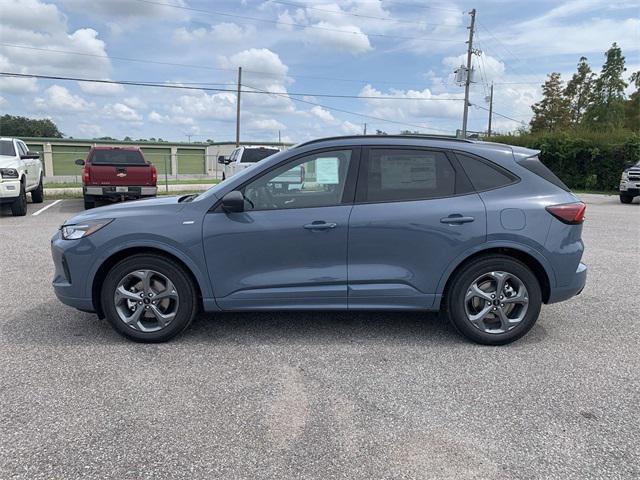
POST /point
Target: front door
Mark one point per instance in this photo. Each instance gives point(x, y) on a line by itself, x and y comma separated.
point(414, 213)
point(288, 249)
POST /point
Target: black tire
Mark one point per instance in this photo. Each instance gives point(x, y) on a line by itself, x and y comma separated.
point(19, 205)
point(186, 290)
point(224, 177)
point(89, 202)
point(454, 302)
point(626, 198)
point(37, 196)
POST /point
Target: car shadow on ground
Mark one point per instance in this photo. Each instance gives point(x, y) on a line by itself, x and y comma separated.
point(53, 324)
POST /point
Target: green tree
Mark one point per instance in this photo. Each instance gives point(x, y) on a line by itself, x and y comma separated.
point(13, 126)
point(606, 110)
point(579, 91)
point(551, 114)
point(632, 106)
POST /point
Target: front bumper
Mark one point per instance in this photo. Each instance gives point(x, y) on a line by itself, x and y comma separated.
point(69, 283)
point(9, 190)
point(575, 287)
point(119, 192)
point(630, 187)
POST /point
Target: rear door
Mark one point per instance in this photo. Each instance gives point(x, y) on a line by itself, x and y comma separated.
point(119, 167)
point(414, 213)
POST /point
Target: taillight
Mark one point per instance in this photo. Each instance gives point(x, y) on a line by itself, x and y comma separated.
point(569, 213)
point(154, 175)
point(86, 176)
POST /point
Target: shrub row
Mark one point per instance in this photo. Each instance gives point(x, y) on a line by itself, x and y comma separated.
point(584, 161)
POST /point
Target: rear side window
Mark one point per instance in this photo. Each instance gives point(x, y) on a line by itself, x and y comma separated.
point(117, 157)
point(6, 148)
point(253, 155)
point(405, 174)
point(533, 164)
point(484, 175)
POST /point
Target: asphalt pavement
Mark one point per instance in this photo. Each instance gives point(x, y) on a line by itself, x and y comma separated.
point(321, 395)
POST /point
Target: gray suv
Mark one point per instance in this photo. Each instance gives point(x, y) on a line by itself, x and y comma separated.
point(482, 232)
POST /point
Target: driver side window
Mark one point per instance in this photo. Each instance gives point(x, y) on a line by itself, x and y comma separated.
point(316, 180)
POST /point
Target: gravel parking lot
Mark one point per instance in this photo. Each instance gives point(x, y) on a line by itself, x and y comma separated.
point(321, 395)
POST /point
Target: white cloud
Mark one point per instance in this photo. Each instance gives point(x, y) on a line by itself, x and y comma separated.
point(59, 99)
point(128, 8)
point(134, 102)
point(257, 59)
point(42, 26)
point(122, 112)
point(323, 114)
point(347, 38)
point(218, 106)
point(90, 130)
point(266, 124)
point(3, 102)
point(220, 33)
point(101, 89)
point(155, 117)
point(351, 128)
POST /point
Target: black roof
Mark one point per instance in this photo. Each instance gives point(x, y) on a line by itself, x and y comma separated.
point(382, 137)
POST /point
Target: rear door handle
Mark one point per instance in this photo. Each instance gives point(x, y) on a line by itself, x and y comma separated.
point(456, 219)
point(320, 225)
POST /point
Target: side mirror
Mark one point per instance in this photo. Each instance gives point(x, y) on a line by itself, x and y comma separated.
point(79, 162)
point(233, 202)
point(222, 159)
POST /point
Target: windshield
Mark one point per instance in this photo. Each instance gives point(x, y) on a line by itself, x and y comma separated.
point(117, 157)
point(6, 148)
point(252, 155)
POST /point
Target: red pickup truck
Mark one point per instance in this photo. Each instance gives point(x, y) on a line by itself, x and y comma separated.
point(116, 173)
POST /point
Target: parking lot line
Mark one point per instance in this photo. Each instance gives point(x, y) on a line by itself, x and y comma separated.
point(45, 207)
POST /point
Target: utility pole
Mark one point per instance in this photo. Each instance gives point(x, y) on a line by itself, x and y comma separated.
point(238, 108)
point(365, 129)
point(490, 110)
point(467, 82)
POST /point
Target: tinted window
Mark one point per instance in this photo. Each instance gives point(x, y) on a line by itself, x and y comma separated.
point(117, 157)
point(397, 174)
point(6, 148)
point(316, 180)
point(533, 164)
point(483, 175)
point(252, 155)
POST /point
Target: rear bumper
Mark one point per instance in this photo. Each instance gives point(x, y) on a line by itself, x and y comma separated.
point(575, 287)
point(111, 191)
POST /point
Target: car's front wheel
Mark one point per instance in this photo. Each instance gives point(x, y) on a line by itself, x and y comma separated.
point(19, 205)
point(37, 196)
point(494, 300)
point(148, 298)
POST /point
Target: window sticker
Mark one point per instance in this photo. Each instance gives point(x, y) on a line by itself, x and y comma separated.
point(407, 172)
point(327, 171)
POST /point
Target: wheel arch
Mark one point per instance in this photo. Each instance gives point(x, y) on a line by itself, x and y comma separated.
point(535, 262)
point(109, 262)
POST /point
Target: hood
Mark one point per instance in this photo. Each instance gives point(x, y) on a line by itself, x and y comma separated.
point(147, 207)
point(8, 161)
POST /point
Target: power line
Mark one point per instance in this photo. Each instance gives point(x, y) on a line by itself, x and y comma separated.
point(201, 67)
point(359, 15)
point(496, 113)
point(353, 113)
point(212, 89)
point(292, 24)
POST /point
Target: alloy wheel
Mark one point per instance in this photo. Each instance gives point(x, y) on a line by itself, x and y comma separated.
point(146, 300)
point(496, 302)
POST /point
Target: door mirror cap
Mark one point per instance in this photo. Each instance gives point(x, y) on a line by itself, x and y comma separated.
point(79, 162)
point(233, 202)
point(222, 159)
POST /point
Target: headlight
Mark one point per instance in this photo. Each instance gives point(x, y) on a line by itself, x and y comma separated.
point(625, 175)
point(81, 230)
point(8, 173)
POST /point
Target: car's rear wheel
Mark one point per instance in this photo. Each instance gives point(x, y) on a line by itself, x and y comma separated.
point(37, 196)
point(19, 205)
point(89, 202)
point(494, 300)
point(626, 198)
point(148, 298)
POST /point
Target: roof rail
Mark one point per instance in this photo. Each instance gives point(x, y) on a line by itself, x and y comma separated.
point(349, 137)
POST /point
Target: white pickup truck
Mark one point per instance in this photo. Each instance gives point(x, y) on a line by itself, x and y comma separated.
point(630, 183)
point(20, 172)
point(244, 157)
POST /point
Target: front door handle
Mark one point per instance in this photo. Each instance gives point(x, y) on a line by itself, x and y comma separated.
point(320, 225)
point(456, 219)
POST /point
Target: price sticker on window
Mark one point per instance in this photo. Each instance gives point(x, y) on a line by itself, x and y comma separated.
point(327, 171)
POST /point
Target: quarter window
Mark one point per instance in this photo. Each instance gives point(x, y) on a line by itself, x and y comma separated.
point(405, 174)
point(484, 176)
point(316, 180)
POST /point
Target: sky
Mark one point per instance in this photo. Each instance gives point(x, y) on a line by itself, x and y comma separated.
point(329, 66)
